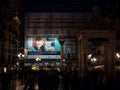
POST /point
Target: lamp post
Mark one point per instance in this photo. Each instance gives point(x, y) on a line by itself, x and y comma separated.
point(20, 63)
point(62, 43)
point(117, 61)
point(37, 66)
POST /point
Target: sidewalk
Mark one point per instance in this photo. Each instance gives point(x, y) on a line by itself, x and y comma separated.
point(16, 85)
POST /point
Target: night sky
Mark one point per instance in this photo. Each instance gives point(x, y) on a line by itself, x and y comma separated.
point(68, 5)
point(107, 6)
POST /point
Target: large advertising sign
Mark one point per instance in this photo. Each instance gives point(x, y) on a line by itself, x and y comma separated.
point(41, 47)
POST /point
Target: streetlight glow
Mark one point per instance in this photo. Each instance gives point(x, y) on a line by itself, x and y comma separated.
point(118, 55)
point(38, 59)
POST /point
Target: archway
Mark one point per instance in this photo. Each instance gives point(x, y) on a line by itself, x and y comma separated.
point(104, 43)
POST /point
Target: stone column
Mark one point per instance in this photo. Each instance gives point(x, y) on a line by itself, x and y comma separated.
point(82, 52)
point(109, 62)
point(79, 57)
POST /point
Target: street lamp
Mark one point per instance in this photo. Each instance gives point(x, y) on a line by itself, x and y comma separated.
point(38, 59)
point(36, 66)
point(20, 57)
point(61, 39)
point(117, 55)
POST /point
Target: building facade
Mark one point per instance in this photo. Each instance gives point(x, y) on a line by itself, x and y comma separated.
point(10, 41)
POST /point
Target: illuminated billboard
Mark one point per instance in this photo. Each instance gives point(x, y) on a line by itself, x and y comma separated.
point(41, 47)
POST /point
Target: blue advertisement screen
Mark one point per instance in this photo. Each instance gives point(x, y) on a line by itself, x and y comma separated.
point(44, 48)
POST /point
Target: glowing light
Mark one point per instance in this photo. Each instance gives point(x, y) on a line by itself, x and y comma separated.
point(38, 59)
point(20, 55)
point(63, 60)
point(17, 63)
point(93, 59)
point(23, 55)
point(117, 55)
point(5, 69)
point(89, 56)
